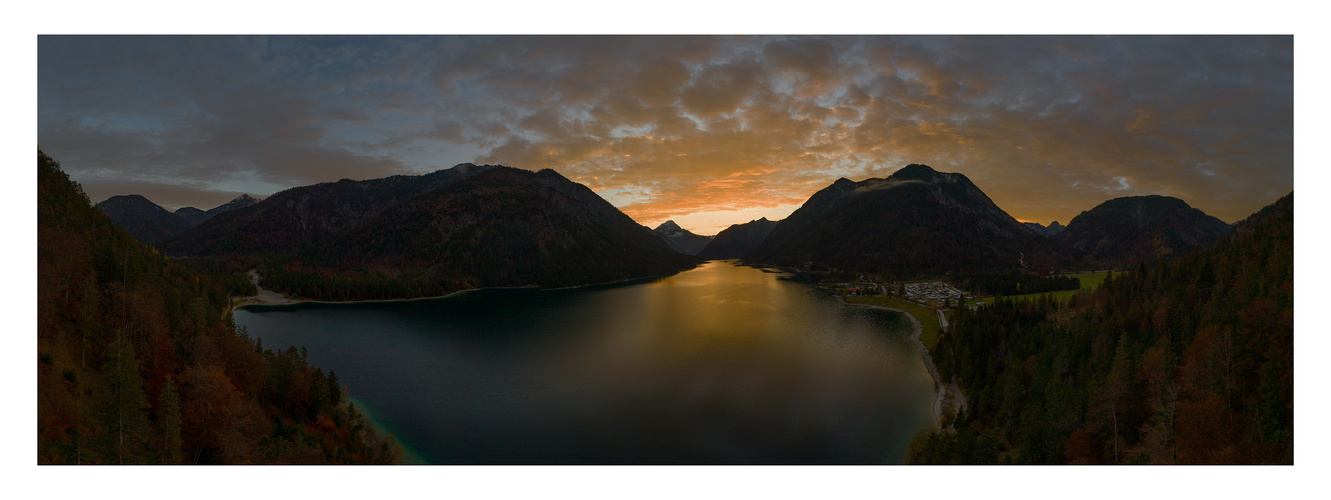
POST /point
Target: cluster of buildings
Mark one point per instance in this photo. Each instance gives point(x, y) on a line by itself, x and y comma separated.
point(864, 288)
point(859, 287)
point(933, 293)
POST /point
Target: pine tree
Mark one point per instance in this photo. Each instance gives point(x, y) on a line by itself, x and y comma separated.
point(169, 421)
point(121, 407)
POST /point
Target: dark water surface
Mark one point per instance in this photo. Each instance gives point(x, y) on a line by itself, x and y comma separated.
point(717, 365)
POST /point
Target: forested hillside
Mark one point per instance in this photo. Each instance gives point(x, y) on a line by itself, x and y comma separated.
point(420, 236)
point(1189, 361)
point(139, 361)
point(1132, 229)
point(738, 239)
point(915, 222)
point(143, 219)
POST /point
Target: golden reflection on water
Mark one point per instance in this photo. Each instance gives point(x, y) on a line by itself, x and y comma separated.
point(720, 364)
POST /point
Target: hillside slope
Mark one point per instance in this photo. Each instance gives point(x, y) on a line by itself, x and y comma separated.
point(288, 220)
point(738, 240)
point(1140, 228)
point(146, 221)
point(1187, 361)
point(139, 362)
point(500, 227)
point(916, 220)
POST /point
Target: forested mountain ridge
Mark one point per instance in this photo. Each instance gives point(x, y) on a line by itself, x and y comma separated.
point(146, 221)
point(498, 228)
point(292, 218)
point(738, 239)
point(140, 363)
point(420, 236)
point(1040, 229)
point(917, 220)
point(195, 216)
point(1140, 228)
point(150, 223)
point(1183, 361)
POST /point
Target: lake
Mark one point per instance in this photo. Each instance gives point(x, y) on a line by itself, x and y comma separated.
point(721, 364)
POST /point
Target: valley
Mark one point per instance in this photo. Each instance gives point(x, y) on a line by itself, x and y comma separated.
point(625, 249)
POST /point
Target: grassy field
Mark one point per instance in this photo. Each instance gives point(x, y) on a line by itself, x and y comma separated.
point(927, 317)
point(1089, 281)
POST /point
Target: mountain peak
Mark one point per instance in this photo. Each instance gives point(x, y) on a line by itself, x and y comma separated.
point(242, 201)
point(914, 171)
point(144, 220)
point(668, 226)
point(124, 198)
point(915, 220)
point(680, 239)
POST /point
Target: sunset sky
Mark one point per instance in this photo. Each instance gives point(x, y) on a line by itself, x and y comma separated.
point(706, 130)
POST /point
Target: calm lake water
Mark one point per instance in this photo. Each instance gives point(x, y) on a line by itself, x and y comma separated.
point(721, 364)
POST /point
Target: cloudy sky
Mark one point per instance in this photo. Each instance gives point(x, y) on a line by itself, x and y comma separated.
point(707, 131)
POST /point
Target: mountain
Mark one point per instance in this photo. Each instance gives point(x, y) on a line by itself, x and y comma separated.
point(1041, 230)
point(1282, 208)
point(1182, 361)
point(150, 223)
point(138, 361)
point(292, 218)
point(1140, 228)
point(916, 220)
point(195, 216)
point(192, 215)
point(680, 239)
point(412, 236)
point(500, 227)
point(738, 239)
point(144, 220)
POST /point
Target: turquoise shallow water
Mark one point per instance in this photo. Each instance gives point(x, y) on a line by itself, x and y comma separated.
point(721, 364)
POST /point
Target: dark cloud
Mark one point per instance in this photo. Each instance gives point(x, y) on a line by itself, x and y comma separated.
point(710, 129)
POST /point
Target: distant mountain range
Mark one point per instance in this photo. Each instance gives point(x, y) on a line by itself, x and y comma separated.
point(143, 219)
point(916, 220)
point(195, 216)
point(680, 239)
point(1140, 228)
point(292, 218)
point(738, 239)
point(919, 220)
point(148, 222)
point(407, 236)
point(488, 225)
point(1041, 230)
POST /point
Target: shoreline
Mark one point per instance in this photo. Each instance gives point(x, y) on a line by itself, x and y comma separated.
point(917, 328)
point(266, 297)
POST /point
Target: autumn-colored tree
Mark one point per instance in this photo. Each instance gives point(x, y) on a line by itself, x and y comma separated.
point(1184, 361)
point(1081, 448)
point(120, 325)
point(219, 416)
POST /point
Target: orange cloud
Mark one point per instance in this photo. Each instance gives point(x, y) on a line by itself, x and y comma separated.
point(704, 130)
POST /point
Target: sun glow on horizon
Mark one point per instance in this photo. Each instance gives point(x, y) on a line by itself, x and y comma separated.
point(712, 222)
